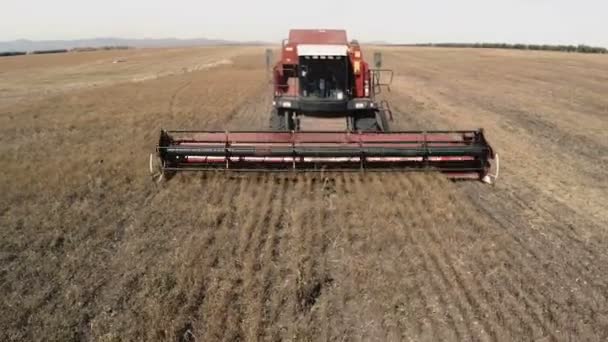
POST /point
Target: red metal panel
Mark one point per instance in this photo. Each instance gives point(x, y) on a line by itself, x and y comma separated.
point(292, 86)
point(318, 37)
point(290, 54)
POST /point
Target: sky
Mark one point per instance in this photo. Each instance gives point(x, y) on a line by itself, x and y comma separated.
point(395, 21)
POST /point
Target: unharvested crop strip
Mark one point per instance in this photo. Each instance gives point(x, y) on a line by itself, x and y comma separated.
point(308, 261)
point(214, 250)
point(439, 283)
point(442, 284)
point(251, 238)
point(291, 252)
point(321, 278)
point(336, 320)
point(471, 307)
point(259, 256)
point(532, 273)
point(227, 289)
point(300, 258)
point(421, 287)
point(464, 218)
point(271, 277)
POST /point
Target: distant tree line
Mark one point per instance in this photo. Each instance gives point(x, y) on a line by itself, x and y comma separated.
point(538, 47)
point(12, 53)
point(43, 52)
point(86, 49)
point(82, 49)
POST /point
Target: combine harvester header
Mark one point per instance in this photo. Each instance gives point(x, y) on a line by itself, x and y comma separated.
point(459, 154)
point(325, 117)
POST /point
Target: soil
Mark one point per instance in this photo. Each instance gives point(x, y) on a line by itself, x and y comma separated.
point(92, 249)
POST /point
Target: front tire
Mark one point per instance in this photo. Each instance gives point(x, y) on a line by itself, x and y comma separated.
point(382, 121)
point(277, 121)
point(367, 123)
point(373, 122)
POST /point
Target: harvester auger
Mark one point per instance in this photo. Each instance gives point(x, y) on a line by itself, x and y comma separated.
point(325, 117)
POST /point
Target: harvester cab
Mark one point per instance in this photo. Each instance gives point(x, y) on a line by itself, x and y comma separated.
point(322, 83)
point(325, 117)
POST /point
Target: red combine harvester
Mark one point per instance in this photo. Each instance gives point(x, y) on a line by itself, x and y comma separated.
point(325, 117)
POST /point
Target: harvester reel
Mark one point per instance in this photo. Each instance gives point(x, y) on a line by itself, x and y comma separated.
point(459, 154)
point(277, 122)
point(382, 121)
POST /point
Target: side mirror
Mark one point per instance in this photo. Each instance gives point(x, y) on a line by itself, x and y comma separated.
point(377, 60)
point(268, 59)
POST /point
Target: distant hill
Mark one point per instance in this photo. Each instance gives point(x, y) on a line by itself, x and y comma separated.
point(31, 45)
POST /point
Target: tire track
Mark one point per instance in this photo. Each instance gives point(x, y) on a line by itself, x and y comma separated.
point(255, 112)
point(177, 93)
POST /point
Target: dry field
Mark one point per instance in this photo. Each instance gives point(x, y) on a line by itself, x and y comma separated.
point(91, 249)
